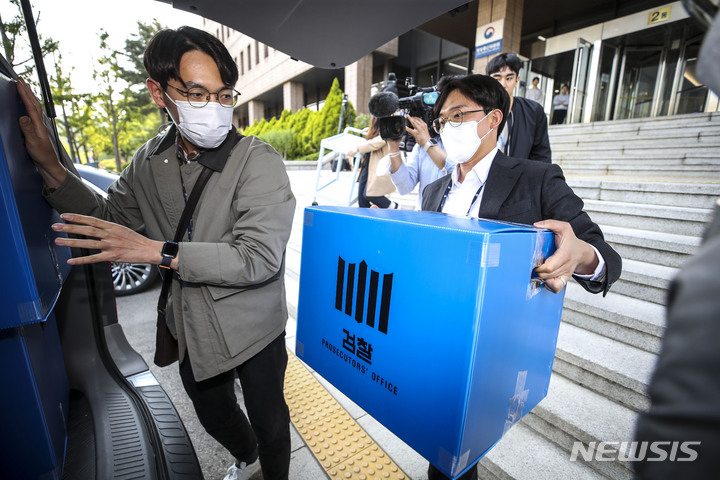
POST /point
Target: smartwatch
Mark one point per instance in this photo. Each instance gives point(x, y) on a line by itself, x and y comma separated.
point(168, 252)
point(430, 143)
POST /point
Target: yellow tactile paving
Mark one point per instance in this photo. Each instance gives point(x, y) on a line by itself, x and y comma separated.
point(343, 449)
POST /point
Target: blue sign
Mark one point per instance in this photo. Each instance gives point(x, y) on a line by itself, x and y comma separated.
point(488, 48)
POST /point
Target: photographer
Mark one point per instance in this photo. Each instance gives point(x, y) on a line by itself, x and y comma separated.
point(427, 162)
point(372, 188)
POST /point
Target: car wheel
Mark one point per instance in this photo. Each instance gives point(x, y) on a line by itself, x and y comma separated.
point(130, 278)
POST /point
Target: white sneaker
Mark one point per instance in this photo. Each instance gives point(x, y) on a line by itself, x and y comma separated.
point(243, 471)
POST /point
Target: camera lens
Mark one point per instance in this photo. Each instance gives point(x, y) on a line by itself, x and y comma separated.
point(391, 127)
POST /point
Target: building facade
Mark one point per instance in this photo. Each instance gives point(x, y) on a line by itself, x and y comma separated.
point(619, 59)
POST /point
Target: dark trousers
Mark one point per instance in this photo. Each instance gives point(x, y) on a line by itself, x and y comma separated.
point(267, 433)
point(363, 200)
point(435, 474)
point(558, 117)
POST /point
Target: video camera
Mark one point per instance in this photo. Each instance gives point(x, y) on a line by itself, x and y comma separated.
point(419, 103)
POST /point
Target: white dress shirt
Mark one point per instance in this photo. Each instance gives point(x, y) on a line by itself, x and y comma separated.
point(464, 200)
point(458, 201)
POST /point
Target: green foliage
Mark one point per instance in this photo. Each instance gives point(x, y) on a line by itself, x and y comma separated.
point(327, 125)
point(300, 146)
point(362, 121)
point(255, 129)
point(109, 165)
point(280, 139)
point(16, 45)
point(121, 117)
point(308, 127)
point(135, 75)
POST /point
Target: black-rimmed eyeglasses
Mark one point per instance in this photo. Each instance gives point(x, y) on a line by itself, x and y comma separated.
point(199, 97)
point(455, 119)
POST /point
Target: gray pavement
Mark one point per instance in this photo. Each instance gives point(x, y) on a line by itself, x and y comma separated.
point(136, 314)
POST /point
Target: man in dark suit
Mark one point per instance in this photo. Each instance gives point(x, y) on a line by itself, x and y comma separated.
point(525, 134)
point(488, 184)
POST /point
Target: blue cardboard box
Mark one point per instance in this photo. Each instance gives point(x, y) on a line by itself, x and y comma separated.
point(432, 323)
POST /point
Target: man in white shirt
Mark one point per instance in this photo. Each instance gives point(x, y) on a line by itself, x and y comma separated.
point(487, 184)
point(534, 93)
point(427, 162)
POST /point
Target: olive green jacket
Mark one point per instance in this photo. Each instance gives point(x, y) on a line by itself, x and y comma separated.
point(228, 295)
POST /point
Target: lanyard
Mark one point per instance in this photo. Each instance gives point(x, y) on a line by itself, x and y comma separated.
point(190, 222)
point(183, 160)
point(185, 196)
point(447, 193)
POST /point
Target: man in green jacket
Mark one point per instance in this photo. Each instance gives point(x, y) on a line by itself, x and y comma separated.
point(228, 296)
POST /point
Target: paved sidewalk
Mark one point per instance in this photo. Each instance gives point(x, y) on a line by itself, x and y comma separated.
point(136, 314)
point(303, 185)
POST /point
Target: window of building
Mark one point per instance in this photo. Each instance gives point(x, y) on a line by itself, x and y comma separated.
point(242, 63)
point(249, 60)
point(257, 52)
point(267, 51)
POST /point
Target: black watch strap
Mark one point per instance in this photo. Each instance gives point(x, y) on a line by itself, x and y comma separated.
point(168, 252)
point(165, 262)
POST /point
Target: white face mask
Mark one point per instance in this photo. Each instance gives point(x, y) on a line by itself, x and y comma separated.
point(205, 127)
point(462, 142)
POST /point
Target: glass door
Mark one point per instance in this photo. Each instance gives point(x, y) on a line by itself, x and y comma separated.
point(578, 87)
point(606, 84)
point(639, 81)
point(690, 94)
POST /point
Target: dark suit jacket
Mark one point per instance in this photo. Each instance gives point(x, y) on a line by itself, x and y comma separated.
point(529, 131)
point(524, 191)
point(685, 388)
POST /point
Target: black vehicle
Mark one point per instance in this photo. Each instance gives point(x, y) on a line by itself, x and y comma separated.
point(128, 278)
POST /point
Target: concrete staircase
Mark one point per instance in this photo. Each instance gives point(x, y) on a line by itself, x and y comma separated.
point(651, 184)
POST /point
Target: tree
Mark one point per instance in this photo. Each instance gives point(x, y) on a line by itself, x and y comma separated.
point(17, 52)
point(62, 93)
point(280, 140)
point(327, 125)
point(112, 102)
point(135, 74)
point(124, 103)
point(308, 127)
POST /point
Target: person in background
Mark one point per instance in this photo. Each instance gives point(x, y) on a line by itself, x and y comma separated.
point(486, 183)
point(534, 93)
point(525, 131)
point(560, 106)
point(228, 295)
point(427, 162)
point(372, 188)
